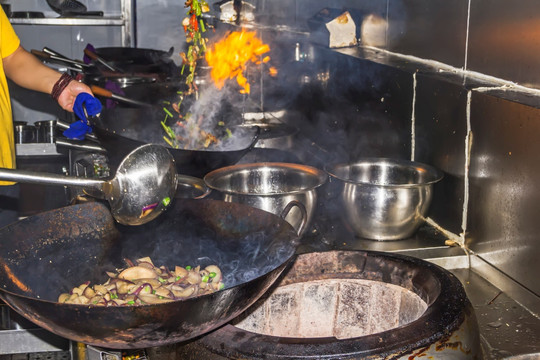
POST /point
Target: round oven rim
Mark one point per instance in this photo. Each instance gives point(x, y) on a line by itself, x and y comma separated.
point(451, 305)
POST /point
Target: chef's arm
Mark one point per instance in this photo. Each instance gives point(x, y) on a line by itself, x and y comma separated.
point(27, 71)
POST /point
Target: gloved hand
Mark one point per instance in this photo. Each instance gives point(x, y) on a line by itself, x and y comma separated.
point(93, 106)
point(79, 129)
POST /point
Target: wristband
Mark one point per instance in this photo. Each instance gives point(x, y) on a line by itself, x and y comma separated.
point(60, 85)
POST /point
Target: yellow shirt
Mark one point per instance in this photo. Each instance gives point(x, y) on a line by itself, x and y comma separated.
point(9, 42)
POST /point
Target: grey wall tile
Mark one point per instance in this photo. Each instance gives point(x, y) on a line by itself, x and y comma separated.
point(434, 29)
point(505, 187)
point(504, 40)
point(440, 131)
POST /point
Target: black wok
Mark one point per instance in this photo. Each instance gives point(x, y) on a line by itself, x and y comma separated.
point(130, 55)
point(121, 130)
point(46, 254)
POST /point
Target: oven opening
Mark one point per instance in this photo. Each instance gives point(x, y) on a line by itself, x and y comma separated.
point(340, 308)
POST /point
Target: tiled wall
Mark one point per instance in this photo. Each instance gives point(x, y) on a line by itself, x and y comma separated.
point(493, 203)
point(497, 42)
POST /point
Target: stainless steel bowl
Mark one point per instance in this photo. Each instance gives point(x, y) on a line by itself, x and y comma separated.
point(384, 199)
point(270, 186)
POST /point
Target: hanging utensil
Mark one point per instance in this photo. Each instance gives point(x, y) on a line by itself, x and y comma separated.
point(92, 55)
point(142, 188)
point(97, 90)
point(47, 56)
point(71, 8)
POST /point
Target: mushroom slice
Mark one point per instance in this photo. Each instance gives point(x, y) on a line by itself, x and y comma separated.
point(194, 277)
point(152, 299)
point(137, 272)
point(79, 289)
point(180, 271)
point(145, 262)
point(80, 300)
point(145, 259)
point(180, 292)
point(100, 289)
point(213, 269)
point(154, 282)
point(89, 292)
point(63, 297)
point(124, 287)
point(97, 300)
point(163, 291)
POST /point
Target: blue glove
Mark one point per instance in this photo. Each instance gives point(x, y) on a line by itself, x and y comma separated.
point(93, 106)
point(80, 128)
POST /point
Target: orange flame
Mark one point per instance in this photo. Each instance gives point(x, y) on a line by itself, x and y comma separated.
point(230, 56)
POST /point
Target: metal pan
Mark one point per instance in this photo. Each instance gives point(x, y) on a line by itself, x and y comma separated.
point(49, 253)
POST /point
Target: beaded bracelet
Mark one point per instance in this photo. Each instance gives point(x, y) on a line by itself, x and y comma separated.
point(60, 85)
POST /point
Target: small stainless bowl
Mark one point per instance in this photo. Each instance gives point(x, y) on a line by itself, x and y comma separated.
point(270, 186)
point(384, 199)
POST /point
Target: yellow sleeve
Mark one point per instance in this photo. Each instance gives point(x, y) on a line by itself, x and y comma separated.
point(9, 41)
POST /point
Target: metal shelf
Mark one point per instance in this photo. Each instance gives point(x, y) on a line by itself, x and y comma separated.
point(87, 21)
point(124, 20)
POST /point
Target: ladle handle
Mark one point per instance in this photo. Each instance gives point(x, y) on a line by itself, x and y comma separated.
point(92, 55)
point(33, 177)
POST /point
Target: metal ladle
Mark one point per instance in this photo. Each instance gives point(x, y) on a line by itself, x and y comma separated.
point(143, 187)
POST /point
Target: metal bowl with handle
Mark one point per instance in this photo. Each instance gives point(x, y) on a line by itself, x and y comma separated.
point(271, 186)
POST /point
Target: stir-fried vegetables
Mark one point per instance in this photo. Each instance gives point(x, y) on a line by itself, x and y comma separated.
point(144, 283)
point(183, 123)
point(194, 28)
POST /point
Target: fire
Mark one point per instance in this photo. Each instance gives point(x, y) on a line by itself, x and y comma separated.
point(230, 57)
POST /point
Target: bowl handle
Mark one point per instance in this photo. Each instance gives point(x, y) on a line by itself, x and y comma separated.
point(302, 208)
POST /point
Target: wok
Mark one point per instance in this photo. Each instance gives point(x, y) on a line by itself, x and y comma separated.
point(49, 253)
point(130, 55)
point(121, 130)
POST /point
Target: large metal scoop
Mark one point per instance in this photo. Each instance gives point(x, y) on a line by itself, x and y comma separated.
point(143, 187)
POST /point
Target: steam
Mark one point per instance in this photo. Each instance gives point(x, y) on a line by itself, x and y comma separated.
point(214, 111)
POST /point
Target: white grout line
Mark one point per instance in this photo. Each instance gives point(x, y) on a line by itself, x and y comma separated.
point(467, 35)
point(468, 146)
point(413, 119)
point(450, 235)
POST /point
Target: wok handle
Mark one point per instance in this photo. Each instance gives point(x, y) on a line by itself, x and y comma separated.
point(52, 52)
point(92, 55)
point(33, 177)
point(109, 94)
point(98, 90)
point(44, 55)
point(302, 209)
